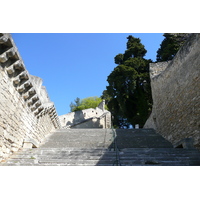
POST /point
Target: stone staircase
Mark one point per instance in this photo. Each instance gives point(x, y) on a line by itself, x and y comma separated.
point(98, 147)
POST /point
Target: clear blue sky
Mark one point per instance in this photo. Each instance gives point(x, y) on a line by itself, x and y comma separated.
point(76, 64)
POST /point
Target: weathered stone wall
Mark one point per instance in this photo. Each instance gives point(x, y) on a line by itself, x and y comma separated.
point(90, 123)
point(176, 94)
point(25, 108)
point(88, 118)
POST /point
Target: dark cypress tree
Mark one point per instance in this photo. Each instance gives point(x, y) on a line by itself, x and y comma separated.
point(129, 89)
point(170, 45)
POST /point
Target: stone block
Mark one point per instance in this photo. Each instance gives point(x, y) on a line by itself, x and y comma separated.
point(10, 70)
point(5, 149)
point(3, 58)
point(14, 149)
point(29, 143)
point(3, 39)
point(187, 143)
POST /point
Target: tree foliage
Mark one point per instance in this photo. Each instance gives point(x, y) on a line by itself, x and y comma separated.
point(128, 93)
point(170, 45)
point(81, 104)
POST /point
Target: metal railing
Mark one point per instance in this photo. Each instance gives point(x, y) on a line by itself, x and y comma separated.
point(115, 148)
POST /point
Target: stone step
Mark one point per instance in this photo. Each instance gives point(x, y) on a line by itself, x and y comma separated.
point(137, 132)
point(122, 155)
point(66, 162)
point(57, 152)
point(126, 138)
point(166, 163)
point(63, 153)
point(159, 157)
point(163, 160)
point(160, 154)
point(167, 151)
point(79, 157)
point(64, 150)
point(82, 144)
point(47, 158)
point(94, 160)
point(72, 162)
point(92, 147)
point(84, 130)
point(140, 138)
point(158, 149)
point(62, 164)
point(82, 138)
point(59, 156)
point(164, 157)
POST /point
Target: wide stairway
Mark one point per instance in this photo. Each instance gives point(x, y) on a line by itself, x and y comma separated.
point(105, 147)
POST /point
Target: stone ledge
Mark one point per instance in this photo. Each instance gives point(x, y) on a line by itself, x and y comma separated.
point(30, 143)
point(3, 39)
point(7, 54)
point(187, 143)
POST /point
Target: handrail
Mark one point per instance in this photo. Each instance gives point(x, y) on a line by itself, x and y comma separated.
point(117, 160)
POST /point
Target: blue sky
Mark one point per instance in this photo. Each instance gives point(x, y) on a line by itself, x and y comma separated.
point(76, 64)
point(71, 66)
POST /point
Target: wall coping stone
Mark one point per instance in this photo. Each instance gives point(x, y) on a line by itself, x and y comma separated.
point(30, 143)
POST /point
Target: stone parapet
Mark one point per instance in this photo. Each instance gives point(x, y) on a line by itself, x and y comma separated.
point(25, 109)
point(89, 118)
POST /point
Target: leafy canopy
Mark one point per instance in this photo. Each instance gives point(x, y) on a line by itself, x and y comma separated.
point(81, 104)
point(129, 94)
point(170, 45)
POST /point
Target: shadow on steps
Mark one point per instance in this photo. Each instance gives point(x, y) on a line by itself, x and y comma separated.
point(144, 147)
point(95, 147)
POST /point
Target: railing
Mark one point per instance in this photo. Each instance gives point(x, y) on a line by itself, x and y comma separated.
point(117, 159)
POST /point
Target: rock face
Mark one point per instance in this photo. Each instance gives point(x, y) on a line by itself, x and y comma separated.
point(26, 112)
point(176, 94)
point(88, 118)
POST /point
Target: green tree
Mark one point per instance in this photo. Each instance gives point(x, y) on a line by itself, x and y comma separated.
point(74, 106)
point(81, 104)
point(129, 93)
point(170, 45)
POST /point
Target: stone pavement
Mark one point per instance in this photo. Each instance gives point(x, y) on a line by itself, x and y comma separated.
point(95, 147)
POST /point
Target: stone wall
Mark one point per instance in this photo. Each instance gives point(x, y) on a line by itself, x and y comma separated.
point(25, 108)
point(88, 118)
point(176, 94)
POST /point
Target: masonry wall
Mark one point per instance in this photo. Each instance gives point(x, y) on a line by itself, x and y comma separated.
point(25, 108)
point(176, 94)
point(91, 123)
point(88, 118)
